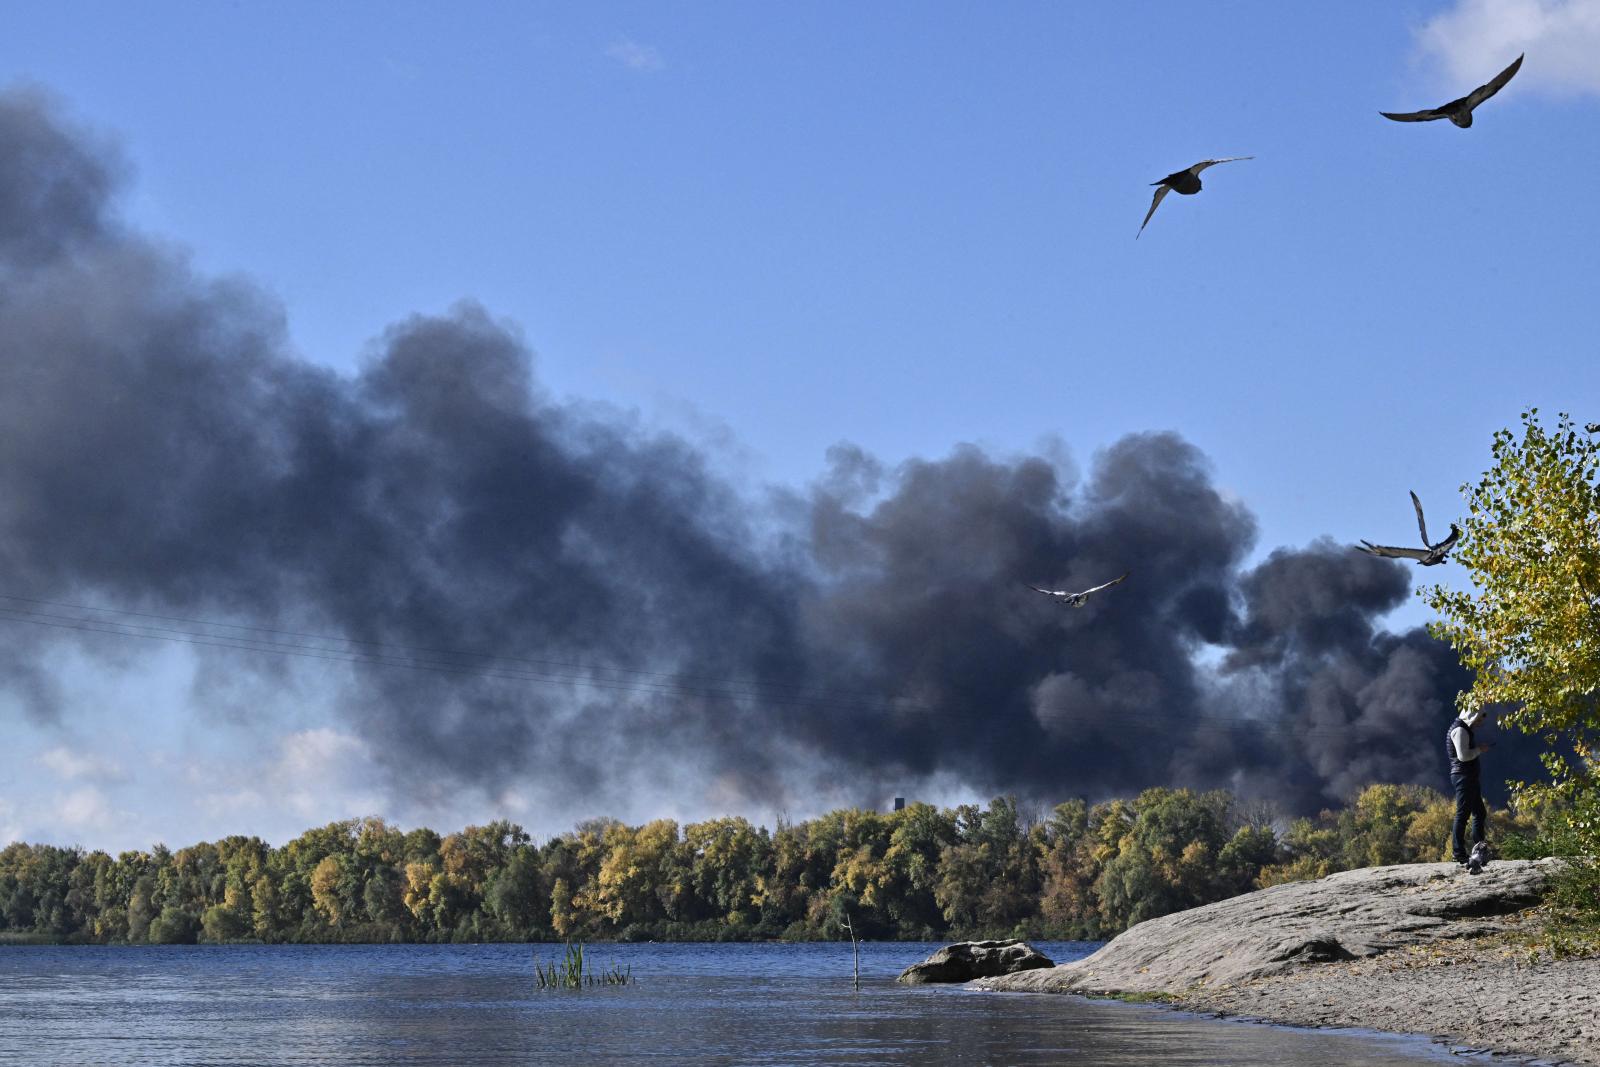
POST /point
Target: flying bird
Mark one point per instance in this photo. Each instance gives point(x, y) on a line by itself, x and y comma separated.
point(1426, 556)
point(1078, 600)
point(1460, 111)
point(1186, 181)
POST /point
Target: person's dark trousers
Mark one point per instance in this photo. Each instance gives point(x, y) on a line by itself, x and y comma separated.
point(1469, 802)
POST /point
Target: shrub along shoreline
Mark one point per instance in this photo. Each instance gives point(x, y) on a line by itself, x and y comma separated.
point(1078, 871)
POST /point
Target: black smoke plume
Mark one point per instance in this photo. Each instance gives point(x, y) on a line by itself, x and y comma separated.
point(530, 591)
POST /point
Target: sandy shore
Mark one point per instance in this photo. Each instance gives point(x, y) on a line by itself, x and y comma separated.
point(1484, 995)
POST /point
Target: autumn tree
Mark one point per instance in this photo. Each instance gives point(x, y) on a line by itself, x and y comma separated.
point(783, 888)
point(325, 879)
point(1530, 627)
point(725, 859)
point(919, 873)
point(1168, 859)
point(1375, 829)
point(632, 867)
point(1065, 847)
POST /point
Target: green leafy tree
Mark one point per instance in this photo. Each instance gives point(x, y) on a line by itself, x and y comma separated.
point(1168, 859)
point(989, 879)
point(963, 877)
point(1375, 830)
point(921, 833)
point(1530, 627)
point(517, 897)
point(783, 888)
point(1310, 849)
point(266, 920)
point(1240, 862)
point(381, 899)
point(222, 924)
point(174, 926)
point(141, 908)
point(726, 857)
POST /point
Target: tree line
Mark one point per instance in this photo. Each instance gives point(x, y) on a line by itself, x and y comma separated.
point(922, 873)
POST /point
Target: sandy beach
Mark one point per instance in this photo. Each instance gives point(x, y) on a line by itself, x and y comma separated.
point(1472, 995)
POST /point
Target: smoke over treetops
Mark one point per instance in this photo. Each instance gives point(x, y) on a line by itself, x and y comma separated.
point(587, 600)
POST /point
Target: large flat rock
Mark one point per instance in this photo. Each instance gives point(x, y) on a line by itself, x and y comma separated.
point(1350, 915)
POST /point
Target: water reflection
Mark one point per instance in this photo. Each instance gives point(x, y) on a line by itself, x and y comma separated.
point(692, 1004)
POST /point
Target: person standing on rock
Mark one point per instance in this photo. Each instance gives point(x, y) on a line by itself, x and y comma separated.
point(1464, 751)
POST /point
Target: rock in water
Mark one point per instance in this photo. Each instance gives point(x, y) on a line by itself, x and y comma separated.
point(966, 960)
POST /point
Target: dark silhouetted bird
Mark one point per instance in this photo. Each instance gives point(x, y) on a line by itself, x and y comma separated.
point(1428, 555)
point(1078, 600)
point(1459, 111)
point(1186, 181)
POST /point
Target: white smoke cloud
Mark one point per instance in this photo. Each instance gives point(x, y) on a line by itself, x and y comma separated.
point(85, 808)
point(319, 775)
point(71, 765)
point(1475, 39)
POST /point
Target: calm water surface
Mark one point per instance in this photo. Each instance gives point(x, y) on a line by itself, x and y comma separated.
point(467, 1005)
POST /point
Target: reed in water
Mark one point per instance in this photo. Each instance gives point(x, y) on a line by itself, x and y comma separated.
point(570, 973)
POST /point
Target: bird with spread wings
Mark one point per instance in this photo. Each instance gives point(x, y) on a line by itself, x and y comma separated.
point(1426, 556)
point(1079, 599)
point(1185, 182)
point(1459, 111)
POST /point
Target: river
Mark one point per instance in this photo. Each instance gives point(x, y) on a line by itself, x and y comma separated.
point(470, 1005)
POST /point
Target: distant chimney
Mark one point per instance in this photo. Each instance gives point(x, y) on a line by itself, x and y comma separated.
point(899, 803)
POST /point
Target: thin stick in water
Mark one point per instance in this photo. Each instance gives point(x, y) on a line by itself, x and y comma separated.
point(855, 952)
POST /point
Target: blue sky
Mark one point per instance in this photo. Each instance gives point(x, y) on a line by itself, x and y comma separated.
point(778, 227)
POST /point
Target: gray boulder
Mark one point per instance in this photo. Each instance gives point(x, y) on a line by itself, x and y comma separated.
point(1344, 916)
point(966, 960)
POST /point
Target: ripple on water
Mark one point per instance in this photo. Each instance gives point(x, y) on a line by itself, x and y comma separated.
point(471, 1005)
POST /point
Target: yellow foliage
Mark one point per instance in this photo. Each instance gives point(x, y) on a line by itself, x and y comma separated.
point(631, 870)
point(1303, 869)
point(1428, 836)
point(263, 918)
point(325, 888)
point(237, 899)
point(563, 918)
point(1531, 629)
point(419, 880)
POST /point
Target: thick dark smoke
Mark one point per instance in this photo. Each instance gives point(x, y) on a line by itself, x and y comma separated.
point(1346, 697)
point(165, 451)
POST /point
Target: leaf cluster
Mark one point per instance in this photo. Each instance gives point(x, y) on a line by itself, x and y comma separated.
point(1530, 627)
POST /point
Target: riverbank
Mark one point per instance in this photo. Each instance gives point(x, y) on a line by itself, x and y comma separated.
point(1420, 949)
point(1484, 994)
